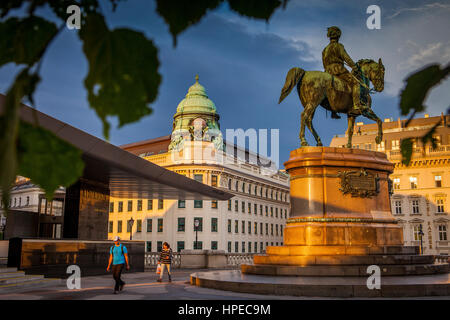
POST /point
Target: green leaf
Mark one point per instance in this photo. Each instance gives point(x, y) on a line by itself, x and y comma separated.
point(23, 85)
point(46, 159)
point(180, 15)
point(259, 9)
point(24, 40)
point(406, 148)
point(418, 85)
point(123, 73)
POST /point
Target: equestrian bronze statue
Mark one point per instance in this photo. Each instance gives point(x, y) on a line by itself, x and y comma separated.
point(336, 89)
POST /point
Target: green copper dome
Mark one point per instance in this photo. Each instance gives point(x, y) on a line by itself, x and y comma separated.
point(196, 100)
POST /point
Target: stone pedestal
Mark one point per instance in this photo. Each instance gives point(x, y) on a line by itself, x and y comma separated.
point(340, 224)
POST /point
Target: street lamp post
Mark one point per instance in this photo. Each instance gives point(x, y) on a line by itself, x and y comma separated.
point(196, 225)
point(130, 224)
point(421, 236)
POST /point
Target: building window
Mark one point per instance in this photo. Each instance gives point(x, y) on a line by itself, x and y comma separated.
point(398, 207)
point(236, 246)
point(214, 180)
point(271, 229)
point(181, 224)
point(243, 227)
point(416, 231)
point(229, 225)
point(139, 225)
point(130, 205)
point(380, 147)
point(149, 246)
point(415, 206)
point(119, 226)
point(236, 226)
point(229, 184)
point(261, 209)
point(181, 203)
point(442, 232)
point(256, 190)
point(149, 225)
point(160, 204)
point(159, 246)
point(120, 209)
point(198, 245)
point(267, 211)
point(276, 212)
point(198, 177)
point(236, 186)
point(396, 183)
point(255, 209)
point(236, 205)
point(243, 186)
point(439, 205)
point(271, 211)
point(213, 224)
point(243, 246)
point(395, 145)
point(229, 205)
point(129, 226)
point(261, 228)
point(256, 227)
point(281, 230)
point(28, 200)
point(267, 229)
point(256, 247)
point(200, 225)
point(213, 245)
point(150, 204)
point(214, 204)
point(229, 246)
point(111, 226)
point(261, 247)
point(413, 181)
point(111, 207)
point(198, 204)
point(243, 207)
point(180, 246)
point(139, 205)
point(276, 230)
point(249, 247)
point(160, 225)
point(249, 208)
point(438, 181)
point(249, 229)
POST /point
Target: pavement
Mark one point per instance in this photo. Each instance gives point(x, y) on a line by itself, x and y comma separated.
point(141, 286)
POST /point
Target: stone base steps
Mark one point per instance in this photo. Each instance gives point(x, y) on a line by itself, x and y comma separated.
point(345, 270)
point(11, 279)
point(341, 287)
point(320, 260)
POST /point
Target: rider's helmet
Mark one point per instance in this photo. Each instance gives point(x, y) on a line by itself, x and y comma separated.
point(334, 32)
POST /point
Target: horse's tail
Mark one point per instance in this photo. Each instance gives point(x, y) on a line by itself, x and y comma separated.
point(293, 77)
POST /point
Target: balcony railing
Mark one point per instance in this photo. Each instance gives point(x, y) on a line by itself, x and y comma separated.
point(234, 260)
point(441, 259)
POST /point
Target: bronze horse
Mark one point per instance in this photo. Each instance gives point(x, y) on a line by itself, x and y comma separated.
point(320, 88)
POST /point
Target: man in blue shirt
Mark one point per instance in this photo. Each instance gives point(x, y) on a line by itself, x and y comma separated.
point(118, 256)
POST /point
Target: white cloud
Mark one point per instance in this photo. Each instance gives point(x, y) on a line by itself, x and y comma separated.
point(429, 6)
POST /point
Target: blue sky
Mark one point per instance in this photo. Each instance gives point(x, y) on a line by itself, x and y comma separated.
point(243, 63)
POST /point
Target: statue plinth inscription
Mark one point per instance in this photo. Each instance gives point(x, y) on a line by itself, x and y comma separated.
point(359, 183)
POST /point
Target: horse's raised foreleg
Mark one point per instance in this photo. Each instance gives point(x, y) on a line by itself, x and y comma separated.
point(308, 120)
point(368, 113)
point(351, 125)
point(303, 141)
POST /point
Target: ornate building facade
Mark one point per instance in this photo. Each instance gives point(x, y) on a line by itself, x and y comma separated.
point(421, 191)
point(252, 220)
